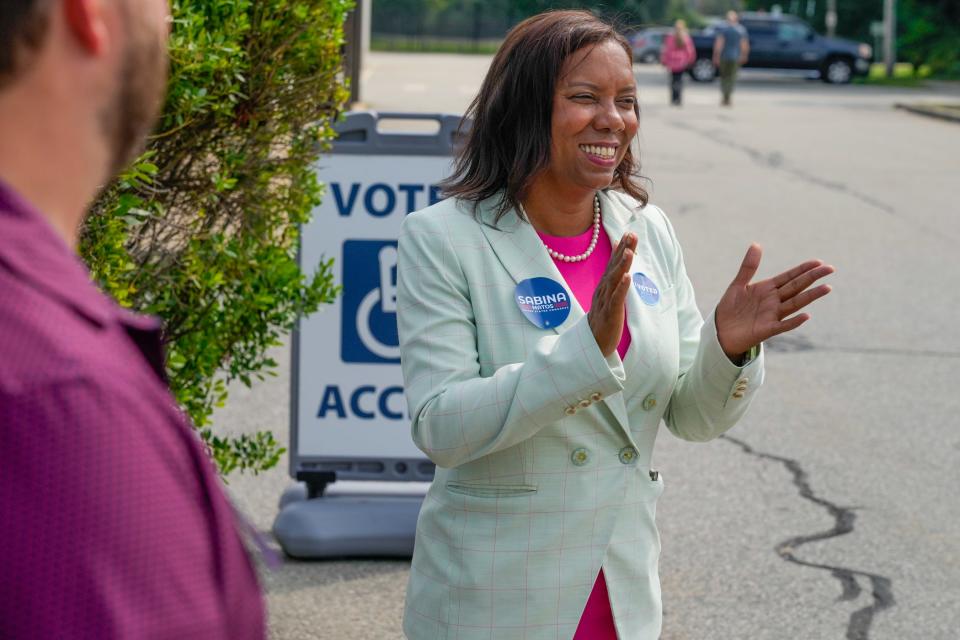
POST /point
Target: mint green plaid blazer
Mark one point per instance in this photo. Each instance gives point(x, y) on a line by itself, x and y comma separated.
point(542, 445)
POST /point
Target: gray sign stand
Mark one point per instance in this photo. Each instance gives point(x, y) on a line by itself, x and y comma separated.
point(320, 519)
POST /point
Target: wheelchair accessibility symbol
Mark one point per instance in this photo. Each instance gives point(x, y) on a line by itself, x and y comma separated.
point(369, 318)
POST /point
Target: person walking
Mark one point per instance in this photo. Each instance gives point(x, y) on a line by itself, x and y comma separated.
point(677, 54)
point(547, 325)
point(115, 522)
point(731, 48)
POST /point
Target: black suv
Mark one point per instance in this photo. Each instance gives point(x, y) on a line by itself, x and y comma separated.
point(786, 42)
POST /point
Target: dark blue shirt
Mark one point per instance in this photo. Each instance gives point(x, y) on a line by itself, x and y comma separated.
point(732, 35)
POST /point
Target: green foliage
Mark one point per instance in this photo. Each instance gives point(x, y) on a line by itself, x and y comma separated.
point(682, 10)
point(255, 453)
point(930, 35)
point(904, 75)
point(434, 45)
point(490, 19)
point(628, 13)
point(203, 229)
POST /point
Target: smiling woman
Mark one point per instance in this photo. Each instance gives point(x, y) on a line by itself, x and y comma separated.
point(547, 326)
point(595, 116)
point(552, 74)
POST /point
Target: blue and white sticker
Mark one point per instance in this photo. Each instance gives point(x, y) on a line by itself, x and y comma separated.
point(647, 288)
point(543, 301)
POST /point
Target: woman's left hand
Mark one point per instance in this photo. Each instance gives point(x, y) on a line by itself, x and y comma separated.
point(749, 313)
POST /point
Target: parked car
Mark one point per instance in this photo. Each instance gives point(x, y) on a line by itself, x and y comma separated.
point(786, 42)
point(646, 44)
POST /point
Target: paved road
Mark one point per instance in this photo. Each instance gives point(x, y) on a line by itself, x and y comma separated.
point(832, 510)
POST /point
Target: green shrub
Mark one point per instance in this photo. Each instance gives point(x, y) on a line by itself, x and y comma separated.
point(202, 230)
point(930, 35)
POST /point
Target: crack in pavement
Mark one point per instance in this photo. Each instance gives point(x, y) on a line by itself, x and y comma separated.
point(796, 344)
point(776, 161)
point(881, 587)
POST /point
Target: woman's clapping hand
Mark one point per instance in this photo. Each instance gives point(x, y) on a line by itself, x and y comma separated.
point(749, 313)
point(607, 310)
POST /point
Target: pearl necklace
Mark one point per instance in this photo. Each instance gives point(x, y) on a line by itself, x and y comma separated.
point(556, 255)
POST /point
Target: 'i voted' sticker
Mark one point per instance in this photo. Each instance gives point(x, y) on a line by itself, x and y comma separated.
point(544, 302)
point(648, 290)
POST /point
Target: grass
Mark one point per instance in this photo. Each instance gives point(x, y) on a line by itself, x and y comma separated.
point(428, 44)
point(904, 75)
point(948, 111)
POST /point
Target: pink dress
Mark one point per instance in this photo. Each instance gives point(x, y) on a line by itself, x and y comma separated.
point(596, 622)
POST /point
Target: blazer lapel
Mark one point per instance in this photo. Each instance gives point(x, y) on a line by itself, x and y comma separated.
point(617, 221)
point(520, 251)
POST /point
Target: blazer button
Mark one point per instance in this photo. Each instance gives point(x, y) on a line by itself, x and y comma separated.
point(649, 402)
point(570, 410)
point(738, 394)
point(597, 396)
point(579, 457)
point(628, 455)
point(584, 404)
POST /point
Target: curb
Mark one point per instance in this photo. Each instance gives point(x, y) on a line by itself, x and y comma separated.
point(942, 112)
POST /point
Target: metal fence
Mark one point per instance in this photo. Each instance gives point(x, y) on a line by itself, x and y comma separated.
point(468, 25)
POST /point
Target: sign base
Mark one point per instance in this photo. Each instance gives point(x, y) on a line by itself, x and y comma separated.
point(352, 519)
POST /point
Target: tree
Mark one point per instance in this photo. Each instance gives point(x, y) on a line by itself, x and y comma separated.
point(460, 18)
point(625, 12)
point(930, 35)
point(203, 229)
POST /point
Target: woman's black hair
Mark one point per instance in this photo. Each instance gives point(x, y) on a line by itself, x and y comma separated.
point(509, 141)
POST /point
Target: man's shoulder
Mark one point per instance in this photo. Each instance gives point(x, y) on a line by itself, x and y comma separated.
point(36, 344)
point(45, 342)
point(65, 376)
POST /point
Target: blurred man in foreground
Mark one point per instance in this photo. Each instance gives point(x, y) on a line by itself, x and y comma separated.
point(730, 51)
point(114, 521)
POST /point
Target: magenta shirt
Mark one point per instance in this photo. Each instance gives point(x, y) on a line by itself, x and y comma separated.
point(114, 522)
point(596, 622)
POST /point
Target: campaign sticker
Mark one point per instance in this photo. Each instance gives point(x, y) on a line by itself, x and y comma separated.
point(544, 302)
point(648, 290)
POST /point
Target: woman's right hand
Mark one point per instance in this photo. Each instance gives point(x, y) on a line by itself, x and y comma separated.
point(607, 310)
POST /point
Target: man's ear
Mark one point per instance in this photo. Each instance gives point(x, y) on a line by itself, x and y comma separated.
point(85, 22)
